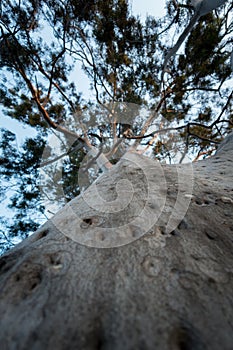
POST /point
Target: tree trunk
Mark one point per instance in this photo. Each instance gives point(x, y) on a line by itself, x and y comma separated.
point(126, 267)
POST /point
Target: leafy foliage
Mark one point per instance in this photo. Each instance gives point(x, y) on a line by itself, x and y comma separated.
point(41, 45)
point(19, 173)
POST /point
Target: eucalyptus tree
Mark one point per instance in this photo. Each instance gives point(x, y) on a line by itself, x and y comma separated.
point(142, 258)
point(43, 43)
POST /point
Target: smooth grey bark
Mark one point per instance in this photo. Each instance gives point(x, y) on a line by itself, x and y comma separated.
point(162, 291)
point(206, 6)
point(201, 7)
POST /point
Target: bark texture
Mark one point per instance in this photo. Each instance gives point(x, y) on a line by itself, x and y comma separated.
point(170, 288)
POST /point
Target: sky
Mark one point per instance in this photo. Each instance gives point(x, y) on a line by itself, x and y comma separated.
point(142, 8)
point(138, 7)
point(148, 7)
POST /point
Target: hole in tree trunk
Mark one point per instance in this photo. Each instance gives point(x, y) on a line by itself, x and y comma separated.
point(42, 234)
point(88, 221)
point(7, 262)
point(185, 338)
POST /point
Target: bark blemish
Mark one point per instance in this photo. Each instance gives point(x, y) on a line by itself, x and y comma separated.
point(41, 234)
point(211, 235)
point(151, 266)
point(54, 259)
point(86, 222)
point(23, 283)
point(99, 343)
point(135, 230)
point(7, 262)
point(100, 236)
point(183, 225)
point(90, 221)
point(175, 233)
point(2, 264)
point(185, 338)
point(17, 278)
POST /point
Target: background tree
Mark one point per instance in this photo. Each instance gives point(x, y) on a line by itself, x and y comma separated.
point(41, 42)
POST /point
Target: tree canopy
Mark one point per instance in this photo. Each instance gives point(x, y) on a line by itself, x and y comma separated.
point(182, 109)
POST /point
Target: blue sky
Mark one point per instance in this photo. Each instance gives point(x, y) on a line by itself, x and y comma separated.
point(139, 7)
point(148, 7)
